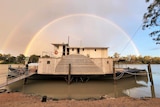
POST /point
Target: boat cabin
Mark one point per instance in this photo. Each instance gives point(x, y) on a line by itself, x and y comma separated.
point(83, 61)
point(91, 52)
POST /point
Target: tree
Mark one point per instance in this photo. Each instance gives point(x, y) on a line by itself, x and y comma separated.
point(33, 59)
point(152, 19)
point(133, 58)
point(156, 60)
point(147, 59)
point(12, 60)
point(6, 57)
point(46, 56)
point(21, 59)
point(1, 56)
point(116, 55)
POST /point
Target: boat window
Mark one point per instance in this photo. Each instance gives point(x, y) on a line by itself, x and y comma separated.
point(83, 49)
point(72, 49)
point(64, 49)
point(78, 50)
point(48, 62)
point(95, 49)
point(67, 51)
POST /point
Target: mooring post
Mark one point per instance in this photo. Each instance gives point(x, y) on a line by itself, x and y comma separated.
point(69, 74)
point(114, 72)
point(150, 73)
point(153, 91)
point(151, 80)
point(25, 81)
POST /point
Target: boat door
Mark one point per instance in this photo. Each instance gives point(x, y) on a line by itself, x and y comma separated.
point(78, 50)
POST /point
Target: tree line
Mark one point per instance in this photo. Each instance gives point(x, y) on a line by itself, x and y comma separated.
point(131, 59)
point(139, 60)
point(20, 59)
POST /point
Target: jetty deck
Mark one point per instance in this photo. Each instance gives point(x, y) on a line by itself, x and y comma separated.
point(17, 78)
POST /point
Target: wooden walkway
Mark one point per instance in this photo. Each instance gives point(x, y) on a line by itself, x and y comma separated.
point(15, 79)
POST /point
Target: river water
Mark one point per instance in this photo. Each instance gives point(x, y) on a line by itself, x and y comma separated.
point(135, 86)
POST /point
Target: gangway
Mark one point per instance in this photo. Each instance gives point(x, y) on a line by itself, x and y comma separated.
point(18, 77)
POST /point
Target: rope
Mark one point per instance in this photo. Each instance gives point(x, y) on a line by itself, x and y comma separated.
point(134, 73)
point(131, 73)
point(119, 76)
point(131, 38)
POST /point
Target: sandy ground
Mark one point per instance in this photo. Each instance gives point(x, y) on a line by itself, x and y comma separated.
point(23, 100)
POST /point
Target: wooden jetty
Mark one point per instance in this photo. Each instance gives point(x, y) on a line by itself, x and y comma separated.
point(17, 78)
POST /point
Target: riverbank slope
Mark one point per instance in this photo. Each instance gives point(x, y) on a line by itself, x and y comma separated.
point(25, 100)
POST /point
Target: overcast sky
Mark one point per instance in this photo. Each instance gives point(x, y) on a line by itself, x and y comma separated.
point(88, 23)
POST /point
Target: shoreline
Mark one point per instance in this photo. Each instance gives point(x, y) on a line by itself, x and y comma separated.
point(17, 99)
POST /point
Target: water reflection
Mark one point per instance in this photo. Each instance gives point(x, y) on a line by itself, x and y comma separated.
point(92, 89)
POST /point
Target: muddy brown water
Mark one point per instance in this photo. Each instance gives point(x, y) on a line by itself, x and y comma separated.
point(135, 86)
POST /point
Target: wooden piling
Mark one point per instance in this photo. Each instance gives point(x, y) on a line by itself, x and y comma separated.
point(25, 81)
point(69, 74)
point(151, 80)
point(150, 73)
point(153, 91)
point(114, 72)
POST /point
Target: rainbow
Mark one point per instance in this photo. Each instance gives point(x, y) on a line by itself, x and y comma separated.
point(75, 15)
point(16, 30)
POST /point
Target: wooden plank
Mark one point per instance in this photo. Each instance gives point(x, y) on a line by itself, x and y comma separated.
point(69, 74)
point(16, 79)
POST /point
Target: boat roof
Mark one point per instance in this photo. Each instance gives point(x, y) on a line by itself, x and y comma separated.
point(60, 44)
point(89, 47)
point(66, 44)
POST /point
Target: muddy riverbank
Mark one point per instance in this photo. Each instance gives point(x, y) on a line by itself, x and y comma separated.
point(17, 99)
